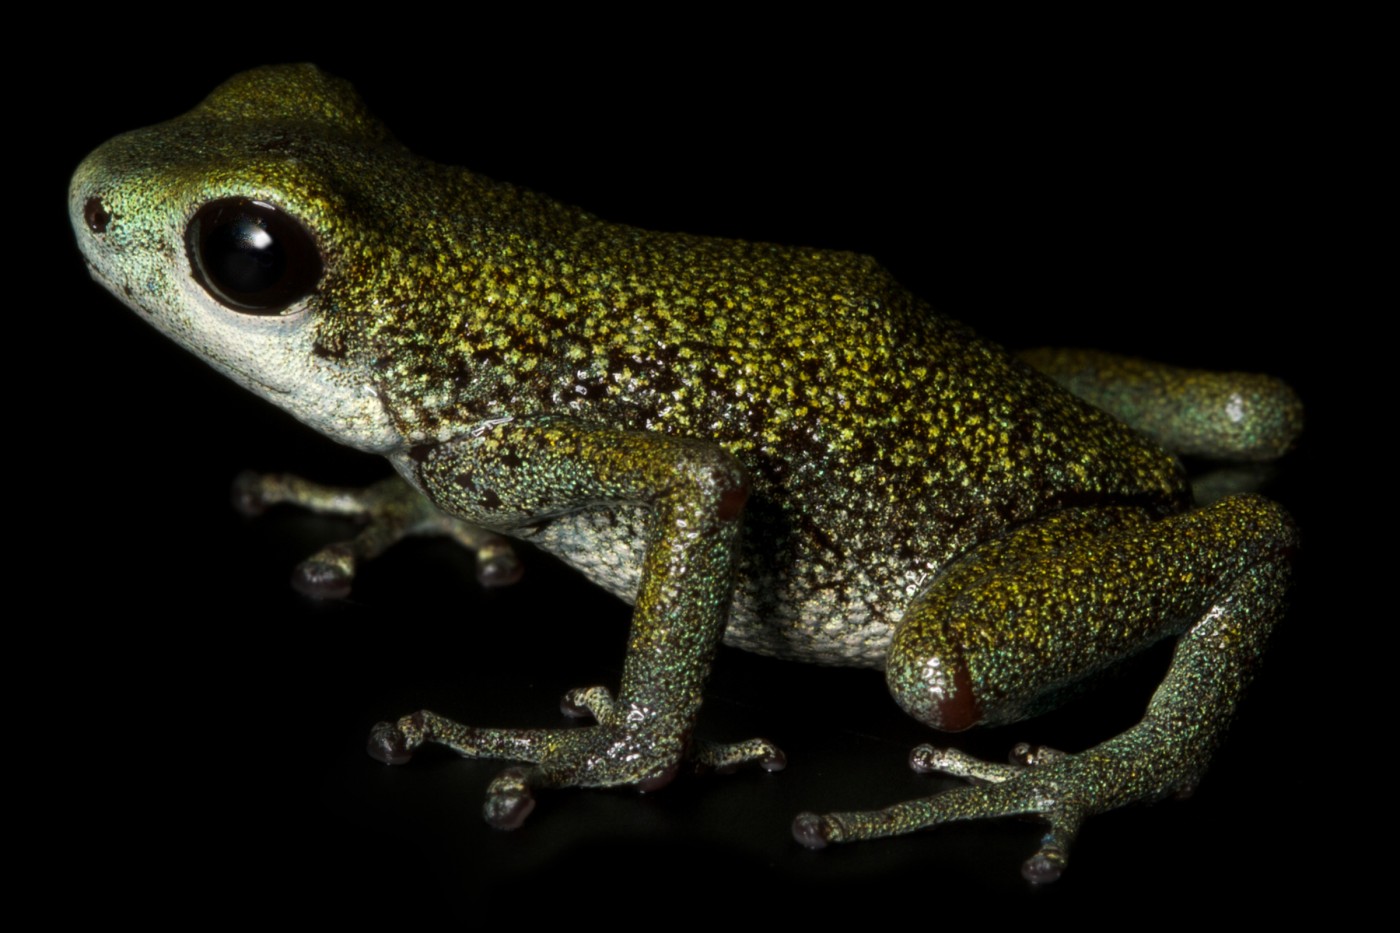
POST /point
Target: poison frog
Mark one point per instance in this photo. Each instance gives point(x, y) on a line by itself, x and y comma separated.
point(776, 447)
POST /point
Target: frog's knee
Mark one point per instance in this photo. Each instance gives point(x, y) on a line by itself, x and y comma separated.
point(934, 688)
point(1249, 523)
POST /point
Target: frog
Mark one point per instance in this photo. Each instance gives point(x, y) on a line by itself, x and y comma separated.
point(775, 447)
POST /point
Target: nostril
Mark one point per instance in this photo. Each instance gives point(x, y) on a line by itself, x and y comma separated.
point(96, 215)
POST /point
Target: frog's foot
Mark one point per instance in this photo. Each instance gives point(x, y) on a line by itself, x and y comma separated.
point(929, 759)
point(724, 757)
point(1063, 814)
point(622, 749)
point(1061, 789)
point(594, 703)
point(391, 511)
point(1010, 790)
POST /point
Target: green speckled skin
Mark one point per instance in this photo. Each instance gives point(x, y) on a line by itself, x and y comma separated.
point(773, 445)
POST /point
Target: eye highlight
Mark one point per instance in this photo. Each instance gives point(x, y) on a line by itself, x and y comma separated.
point(251, 256)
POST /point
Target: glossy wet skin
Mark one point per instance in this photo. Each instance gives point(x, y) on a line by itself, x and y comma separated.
point(879, 417)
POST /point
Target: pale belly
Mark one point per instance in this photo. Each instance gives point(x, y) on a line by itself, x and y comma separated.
point(804, 607)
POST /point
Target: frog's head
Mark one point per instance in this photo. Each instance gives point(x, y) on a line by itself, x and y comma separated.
point(230, 230)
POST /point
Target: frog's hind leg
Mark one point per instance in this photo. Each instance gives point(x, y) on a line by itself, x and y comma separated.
point(1026, 615)
point(1240, 417)
point(391, 510)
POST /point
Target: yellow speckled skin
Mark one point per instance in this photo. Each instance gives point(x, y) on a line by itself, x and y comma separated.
point(774, 445)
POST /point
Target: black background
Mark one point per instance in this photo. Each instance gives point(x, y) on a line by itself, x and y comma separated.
point(208, 724)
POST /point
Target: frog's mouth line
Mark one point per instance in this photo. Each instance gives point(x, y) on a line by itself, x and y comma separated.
point(123, 292)
point(272, 390)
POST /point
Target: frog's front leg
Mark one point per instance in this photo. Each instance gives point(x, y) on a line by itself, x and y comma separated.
point(692, 495)
point(391, 511)
point(1025, 616)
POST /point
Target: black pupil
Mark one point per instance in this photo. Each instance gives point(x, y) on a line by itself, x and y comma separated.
point(243, 256)
point(251, 256)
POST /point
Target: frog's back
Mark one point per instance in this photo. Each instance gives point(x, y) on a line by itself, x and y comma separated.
point(792, 358)
point(883, 439)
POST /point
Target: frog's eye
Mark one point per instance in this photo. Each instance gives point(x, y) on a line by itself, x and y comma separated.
point(251, 256)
